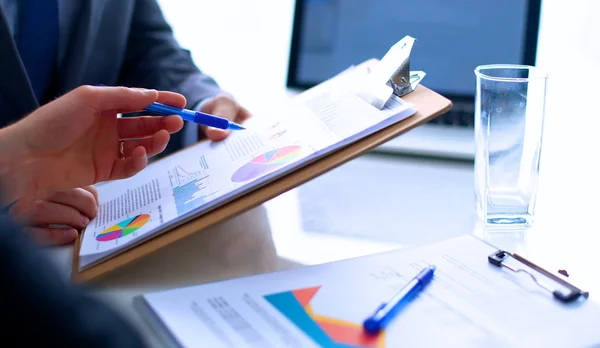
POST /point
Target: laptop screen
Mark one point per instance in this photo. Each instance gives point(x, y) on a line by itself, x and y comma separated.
point(453, 37)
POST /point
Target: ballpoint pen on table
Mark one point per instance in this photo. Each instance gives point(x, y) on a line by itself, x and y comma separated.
point(378, 320)
point(194, 116)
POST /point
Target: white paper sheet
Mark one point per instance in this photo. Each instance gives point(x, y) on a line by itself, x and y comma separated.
point(469, 303)
point(201, 177)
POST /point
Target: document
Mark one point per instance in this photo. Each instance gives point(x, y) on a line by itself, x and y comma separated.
point(204, 176)
point(469, 303)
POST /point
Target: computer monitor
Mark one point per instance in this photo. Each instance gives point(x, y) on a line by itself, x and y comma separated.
point(453, 37)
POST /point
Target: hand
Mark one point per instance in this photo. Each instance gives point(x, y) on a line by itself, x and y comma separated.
point(223, 106)
point(74, 141)
point(73, 209)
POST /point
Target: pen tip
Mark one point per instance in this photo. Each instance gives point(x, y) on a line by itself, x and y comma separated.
point(236, 126)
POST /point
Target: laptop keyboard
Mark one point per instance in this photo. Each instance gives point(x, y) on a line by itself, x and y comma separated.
point(456, 117)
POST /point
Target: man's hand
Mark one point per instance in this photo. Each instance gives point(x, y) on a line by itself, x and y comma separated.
point(73, 209)
point(223, 106)
point(78, 140)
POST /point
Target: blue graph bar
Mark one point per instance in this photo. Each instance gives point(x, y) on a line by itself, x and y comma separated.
point(185, 199)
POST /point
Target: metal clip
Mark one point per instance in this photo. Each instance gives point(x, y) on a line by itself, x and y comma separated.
point(403, 81)
point(564, 291)
point(392, 75)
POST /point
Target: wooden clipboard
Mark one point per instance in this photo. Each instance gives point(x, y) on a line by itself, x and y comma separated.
point(429, 105)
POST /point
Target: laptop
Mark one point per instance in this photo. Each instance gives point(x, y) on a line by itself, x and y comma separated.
point(453, 37)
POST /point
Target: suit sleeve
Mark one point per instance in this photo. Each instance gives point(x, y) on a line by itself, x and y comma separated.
point(154, 59)
point(36, 300)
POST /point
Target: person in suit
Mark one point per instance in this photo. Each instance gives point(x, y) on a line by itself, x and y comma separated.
point(50, 47)
point(94, 146)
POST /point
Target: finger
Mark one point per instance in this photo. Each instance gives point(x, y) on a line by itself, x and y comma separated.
point(243, 115)
point(173, 99)
point(80, 199)
point(153, 146)
point(227, 109)
point(121, 99)
point(128, 167)
point(145, 126)
point(91, 189)
point(46, 213)
point(51, 236)
point(216, 134)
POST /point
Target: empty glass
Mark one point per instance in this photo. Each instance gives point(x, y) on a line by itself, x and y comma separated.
point(509, 119)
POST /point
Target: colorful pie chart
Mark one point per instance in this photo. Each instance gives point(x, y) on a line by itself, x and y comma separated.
point(266, 162)
point(123, 228)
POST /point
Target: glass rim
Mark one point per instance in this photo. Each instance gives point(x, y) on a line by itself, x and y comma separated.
point(538, 73)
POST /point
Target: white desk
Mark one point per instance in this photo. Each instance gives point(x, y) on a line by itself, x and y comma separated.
point(374, 209)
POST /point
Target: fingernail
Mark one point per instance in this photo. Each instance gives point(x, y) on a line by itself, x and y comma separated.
point(85, 221)
point(224, 131)
point(70, 234)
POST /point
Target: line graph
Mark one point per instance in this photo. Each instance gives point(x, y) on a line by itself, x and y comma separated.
point(183, 172)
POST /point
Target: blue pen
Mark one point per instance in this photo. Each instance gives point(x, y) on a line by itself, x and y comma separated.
point(386, 311)
point(194, 116)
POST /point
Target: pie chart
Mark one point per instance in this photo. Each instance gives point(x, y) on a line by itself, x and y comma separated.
point(266, 162)
point(123, 228)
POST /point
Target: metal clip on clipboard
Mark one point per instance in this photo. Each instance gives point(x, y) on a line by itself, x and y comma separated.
point(391, 75)
point(567, 294)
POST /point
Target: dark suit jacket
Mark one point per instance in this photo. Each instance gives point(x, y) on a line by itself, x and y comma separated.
point(41, 310)
point(110, 42)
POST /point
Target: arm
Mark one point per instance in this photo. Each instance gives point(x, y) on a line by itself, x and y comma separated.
point(154, 59)
point(35, 298)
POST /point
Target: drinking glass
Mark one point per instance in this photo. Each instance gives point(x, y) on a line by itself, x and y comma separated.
point(509, 120)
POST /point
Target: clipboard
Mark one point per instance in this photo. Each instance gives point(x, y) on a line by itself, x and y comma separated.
point(428, 104)
point(469, 302)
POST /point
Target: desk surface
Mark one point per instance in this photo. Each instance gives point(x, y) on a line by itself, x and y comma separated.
point(305, 227)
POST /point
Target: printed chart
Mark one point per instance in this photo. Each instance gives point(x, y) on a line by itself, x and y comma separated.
point(190, 195)
point(266, 162)
point(123, 228)
point(191, 186)
point(181, 176)
point(277, 135)
point(325, 331)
